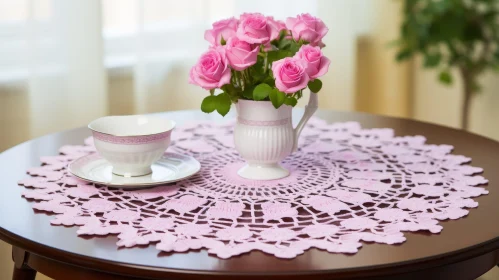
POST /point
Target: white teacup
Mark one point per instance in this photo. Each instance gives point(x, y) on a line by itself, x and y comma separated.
point(131, 143)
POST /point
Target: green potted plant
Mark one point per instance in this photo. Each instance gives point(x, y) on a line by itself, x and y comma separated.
point(452, 34)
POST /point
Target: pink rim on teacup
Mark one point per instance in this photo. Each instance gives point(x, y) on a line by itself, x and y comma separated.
point(131, 143)
point(127, 135)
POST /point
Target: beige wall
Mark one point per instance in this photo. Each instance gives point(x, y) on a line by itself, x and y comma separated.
point(14, 116)
point(437, 103)
point(382, 85)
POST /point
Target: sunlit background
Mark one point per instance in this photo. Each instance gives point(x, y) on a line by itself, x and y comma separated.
point(64, 63)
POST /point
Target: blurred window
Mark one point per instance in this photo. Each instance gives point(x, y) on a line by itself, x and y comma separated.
point(18, 19)
point(133, 31)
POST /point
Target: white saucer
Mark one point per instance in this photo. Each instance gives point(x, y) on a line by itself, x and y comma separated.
point(169, 168)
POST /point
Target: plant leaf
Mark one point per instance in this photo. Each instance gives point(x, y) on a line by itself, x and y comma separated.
point(291, 101)
point(209, 104)
point(261, 92)
point(496, 54)
point(223, 104)
point(315, 85)
point(294, 47)
point(277, 97)
point(404, 54)
point(277, 55)
point(284, 43)
point(248, 92)
point(270, 81)
point(445, 77)
point(229, 88)
point(432, 60)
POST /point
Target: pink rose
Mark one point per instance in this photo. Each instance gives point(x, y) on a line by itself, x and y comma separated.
point(317, 64)
point(241, 55)
point(307, 28)
point(223, 29)
point(290, 74)
point(281, 25)
point(257, 29)
point(212, 70)
point(278, 23)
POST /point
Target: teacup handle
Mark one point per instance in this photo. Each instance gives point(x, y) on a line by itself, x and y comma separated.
point(310, 108)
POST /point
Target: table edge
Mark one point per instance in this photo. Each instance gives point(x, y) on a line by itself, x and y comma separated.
point(98, 264)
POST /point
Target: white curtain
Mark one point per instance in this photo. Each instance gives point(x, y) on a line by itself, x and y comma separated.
point(76, 60)
point(67, 79)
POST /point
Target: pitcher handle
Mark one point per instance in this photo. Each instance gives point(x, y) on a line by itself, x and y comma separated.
point(310, 108)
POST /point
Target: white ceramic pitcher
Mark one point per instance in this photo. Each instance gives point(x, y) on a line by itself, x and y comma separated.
point(264, 136)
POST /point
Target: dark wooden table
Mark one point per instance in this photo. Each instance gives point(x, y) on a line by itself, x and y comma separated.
point(465, 249)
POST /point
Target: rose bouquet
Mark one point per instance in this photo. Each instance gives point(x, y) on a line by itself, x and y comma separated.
point(262, 59)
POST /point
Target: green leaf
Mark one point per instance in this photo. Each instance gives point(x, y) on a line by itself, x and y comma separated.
point(449, 26)
point(256, 71)
point(403, 54)
point(291, 101)
point(283, 44)
point(278, 55)
point(496, 54)
point(272, 56)
point(248, 92)
point(294, 47)
point(209, 104)
point(223, 103)
point(270, 81)
point(445, 77)
point(315, 85)
point(490, 16)
point(473, 31)
point(259, 63)
point(432, 60)
point(229, 88)
point(277, 98)
point(261, 92)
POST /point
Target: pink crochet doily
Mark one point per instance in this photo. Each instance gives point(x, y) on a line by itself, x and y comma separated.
point(347, 185)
